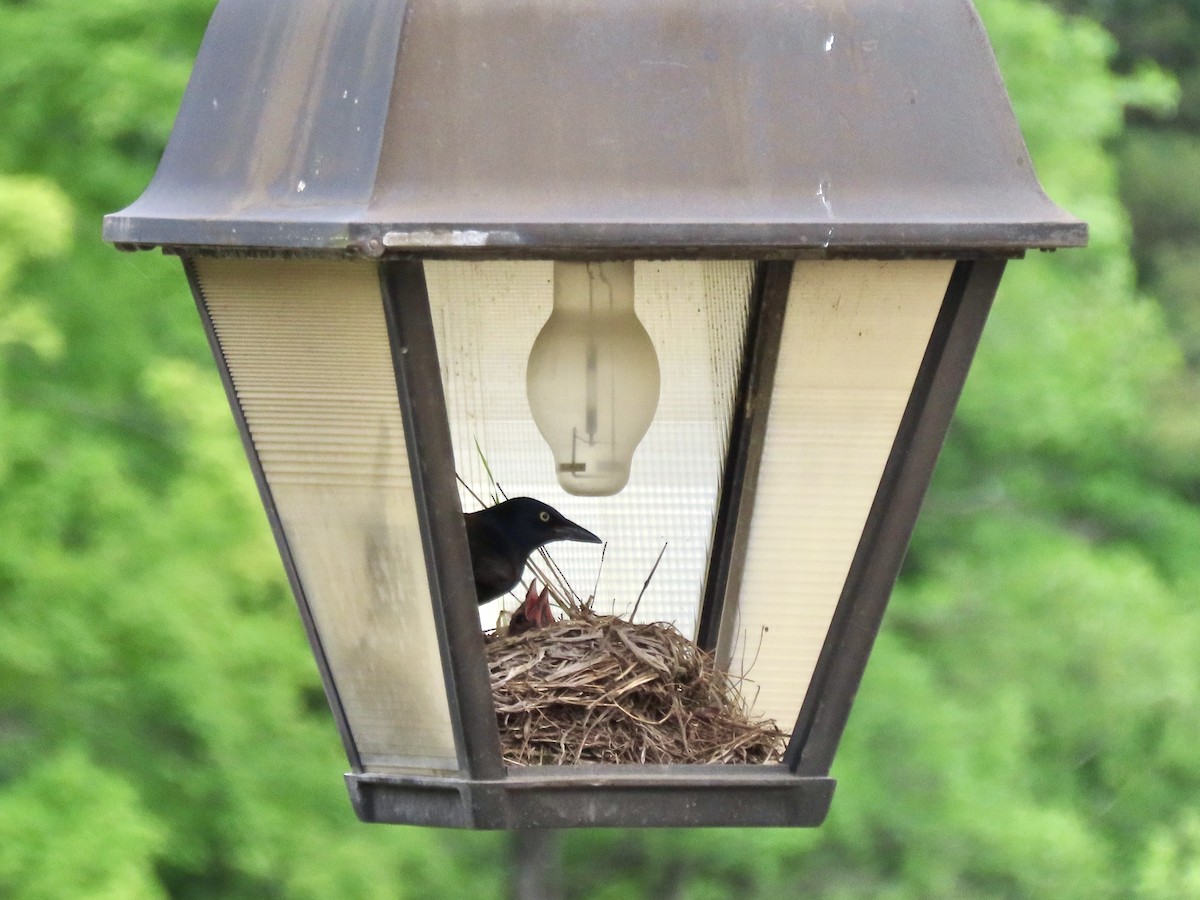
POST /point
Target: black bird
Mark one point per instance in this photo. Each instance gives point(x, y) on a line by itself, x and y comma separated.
point(501, 538)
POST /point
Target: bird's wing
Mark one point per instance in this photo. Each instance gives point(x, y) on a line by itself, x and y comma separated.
point(492, 562)
point(494, 574)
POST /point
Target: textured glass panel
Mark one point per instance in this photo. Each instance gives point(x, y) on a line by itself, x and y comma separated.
point(487, 315)
point(307, 347)
point(853, 339)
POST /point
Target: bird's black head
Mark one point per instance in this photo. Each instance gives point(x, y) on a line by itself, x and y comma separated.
point(501, 537)
point(532, 523)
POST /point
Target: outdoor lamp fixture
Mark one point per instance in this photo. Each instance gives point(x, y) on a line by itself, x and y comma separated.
point(695, 273)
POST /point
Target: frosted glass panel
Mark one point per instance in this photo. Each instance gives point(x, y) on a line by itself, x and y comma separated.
point(487, 315)
point(854, 335)
point(307, 347)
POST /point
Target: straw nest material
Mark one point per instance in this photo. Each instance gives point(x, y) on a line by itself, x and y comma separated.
point(598, 689)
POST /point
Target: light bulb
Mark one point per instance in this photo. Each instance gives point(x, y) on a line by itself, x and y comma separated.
point(593, 377)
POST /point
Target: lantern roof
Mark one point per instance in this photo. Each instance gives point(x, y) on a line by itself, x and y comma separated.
point(622, 127)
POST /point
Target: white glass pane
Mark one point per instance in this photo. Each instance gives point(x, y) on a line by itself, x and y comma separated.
point(307, 347)
point(487, 315)
point(854, 335)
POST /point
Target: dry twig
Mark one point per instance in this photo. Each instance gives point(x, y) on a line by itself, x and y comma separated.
point(599, 689)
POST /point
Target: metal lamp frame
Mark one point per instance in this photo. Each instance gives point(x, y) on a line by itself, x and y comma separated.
point(488, 794)
point(919, 166)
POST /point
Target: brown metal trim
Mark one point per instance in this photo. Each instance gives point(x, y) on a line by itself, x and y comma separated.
point(893, 515)
point(731, 535)
point(548, 149)
point(569, 240)
point(599, 797)
point(268, 501)
point(448, 559)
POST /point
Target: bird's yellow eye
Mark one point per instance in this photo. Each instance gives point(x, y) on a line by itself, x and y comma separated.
point(544, 516)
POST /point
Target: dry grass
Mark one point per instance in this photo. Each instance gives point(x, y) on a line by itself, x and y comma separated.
point(599, 689)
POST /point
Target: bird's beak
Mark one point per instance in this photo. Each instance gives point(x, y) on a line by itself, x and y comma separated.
point(569, 531)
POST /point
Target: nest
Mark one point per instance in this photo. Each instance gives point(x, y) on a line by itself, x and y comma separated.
point(599, 689)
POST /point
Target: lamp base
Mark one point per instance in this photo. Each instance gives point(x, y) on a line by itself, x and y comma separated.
point(598, 796)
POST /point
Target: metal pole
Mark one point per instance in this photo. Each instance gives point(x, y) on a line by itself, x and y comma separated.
point(536, 864)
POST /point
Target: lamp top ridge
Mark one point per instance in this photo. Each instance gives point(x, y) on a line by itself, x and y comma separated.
point(668, 128)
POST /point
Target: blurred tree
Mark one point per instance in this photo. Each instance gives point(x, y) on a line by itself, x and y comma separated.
point(1158, 154)
point(1027, 722)
point(1166, 32)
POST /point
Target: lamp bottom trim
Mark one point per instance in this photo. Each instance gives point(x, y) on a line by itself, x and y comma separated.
point(598, 797)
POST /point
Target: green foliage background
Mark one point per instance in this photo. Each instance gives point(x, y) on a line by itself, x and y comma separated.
point(1029, 721)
